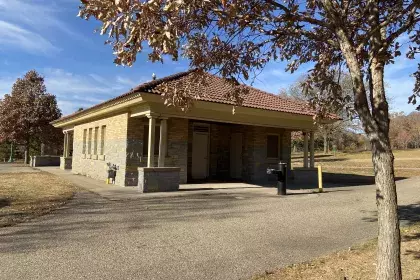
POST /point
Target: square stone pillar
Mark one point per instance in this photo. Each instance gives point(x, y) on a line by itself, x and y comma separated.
point(67, 154)
point(163, 142)
point(305, 149)
point(151, 140)
point(65, 144)
point(312, 149)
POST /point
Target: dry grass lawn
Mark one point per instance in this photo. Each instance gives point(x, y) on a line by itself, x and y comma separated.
point(26, 195)
point(407, 163)
point(355, 263)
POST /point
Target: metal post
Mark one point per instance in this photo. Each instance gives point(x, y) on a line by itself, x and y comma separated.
point(320, 187)
point(282, 179)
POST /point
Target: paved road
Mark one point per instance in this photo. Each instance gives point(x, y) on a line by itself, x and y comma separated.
point(229, 234)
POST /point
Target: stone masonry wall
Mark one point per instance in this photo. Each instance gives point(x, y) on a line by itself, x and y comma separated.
point(114, 151)
point(220, 151)
point(177, 147)
point(255, 153)
point(124, 147)
point(158, 179)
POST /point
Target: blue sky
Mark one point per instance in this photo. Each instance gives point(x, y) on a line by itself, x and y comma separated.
point(47, 36)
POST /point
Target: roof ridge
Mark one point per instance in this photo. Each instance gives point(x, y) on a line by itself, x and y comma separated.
point(162, 80)
point(265, 92)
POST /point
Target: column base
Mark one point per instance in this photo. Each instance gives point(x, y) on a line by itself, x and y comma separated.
point(158, 179)
point(65, 163)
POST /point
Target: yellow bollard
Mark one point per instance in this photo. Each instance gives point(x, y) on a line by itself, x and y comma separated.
point(320, 179)
point(107, 181)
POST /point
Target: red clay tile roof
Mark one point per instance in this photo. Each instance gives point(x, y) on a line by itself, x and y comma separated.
point(215, 91)
point(218, 88)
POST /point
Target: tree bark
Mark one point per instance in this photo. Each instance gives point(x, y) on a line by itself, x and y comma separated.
point(325, 143)
point(27, 153)
point(376, 125)
point(388, 263)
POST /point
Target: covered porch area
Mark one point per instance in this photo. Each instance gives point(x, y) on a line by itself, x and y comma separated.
point(208, 144)
point(66, 159)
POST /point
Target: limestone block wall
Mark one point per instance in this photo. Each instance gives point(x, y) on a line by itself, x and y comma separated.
point(115, 149)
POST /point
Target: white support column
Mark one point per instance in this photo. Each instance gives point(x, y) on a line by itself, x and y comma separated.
point(312, 149)
point(163, 142)
point(151, 140)
point(305, 149)
point(65, 144)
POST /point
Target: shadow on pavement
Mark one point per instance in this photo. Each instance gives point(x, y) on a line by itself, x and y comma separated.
point(408, 214)
point(350, 180)
point(88, 215)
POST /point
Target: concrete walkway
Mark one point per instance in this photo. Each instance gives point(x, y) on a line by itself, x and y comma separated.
point(233, 233)
point(113, 192)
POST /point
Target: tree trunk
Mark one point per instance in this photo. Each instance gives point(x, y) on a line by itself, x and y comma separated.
point(325, 143)
point(389, 263)
point(376, 125)
point(27, 153)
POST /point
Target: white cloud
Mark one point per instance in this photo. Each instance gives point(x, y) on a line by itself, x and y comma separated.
point(32, 26)
point(274, 77)
point(14, 36)
point(39, 15)
point(98, 78)
point(74, 91)
point(126, 81)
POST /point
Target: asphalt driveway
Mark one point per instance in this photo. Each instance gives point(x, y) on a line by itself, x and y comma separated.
point(226, 234)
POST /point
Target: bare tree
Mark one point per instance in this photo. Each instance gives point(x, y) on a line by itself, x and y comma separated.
point(344, 109)
point(238, 38)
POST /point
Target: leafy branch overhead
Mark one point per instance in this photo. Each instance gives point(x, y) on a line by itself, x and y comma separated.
point(238, 38)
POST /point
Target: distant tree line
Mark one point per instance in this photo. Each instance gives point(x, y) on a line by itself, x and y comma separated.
point(404, 130)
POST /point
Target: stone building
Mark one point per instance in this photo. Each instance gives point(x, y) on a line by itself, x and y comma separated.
point(156, 147)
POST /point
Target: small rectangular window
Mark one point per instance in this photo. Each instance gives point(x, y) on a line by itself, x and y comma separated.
point(272, 146)
point(103, 131)
point(84, 141)
point(146, 140)
point(95, 141)
point(90, 141)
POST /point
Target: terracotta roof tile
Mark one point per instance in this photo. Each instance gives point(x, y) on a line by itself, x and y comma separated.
point(215, 90)
point(218, 88)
